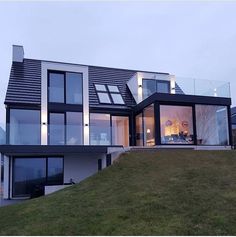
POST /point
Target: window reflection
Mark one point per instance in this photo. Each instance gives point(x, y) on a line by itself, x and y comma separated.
point(120, 130)
point(176, 124)
point(24, 127)
point(56, 87)
point(212, 125)
point(149, 126)
point(100, 129)
point(57, 129)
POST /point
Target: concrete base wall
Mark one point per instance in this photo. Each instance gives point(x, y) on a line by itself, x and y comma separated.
point(79, 167)
point(54, 188)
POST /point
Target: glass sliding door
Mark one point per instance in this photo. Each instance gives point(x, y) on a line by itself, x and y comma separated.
point(27, 174)
point(120, 130)
point(176, 124)
point(139, 129)
point(100, 129)
point(57, 129)
point(55, 171)
point(212, 125)
point(149, 126)
point(74, 128)
point(24, 127)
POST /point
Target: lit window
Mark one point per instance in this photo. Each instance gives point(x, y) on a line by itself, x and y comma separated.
point(113, 89)
point(100, 87)
point(104, 98)
point(117, 99)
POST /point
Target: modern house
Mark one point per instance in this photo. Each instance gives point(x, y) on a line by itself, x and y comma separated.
point(65, 121)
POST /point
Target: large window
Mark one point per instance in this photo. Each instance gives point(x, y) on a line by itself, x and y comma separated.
point(100, 129)
point(65, 87)
point(212, 125)
point(30, 175)
point(120, 130)
point(149, 126)
point(150, 86)
point(57, 129)
point(176, 124)
point(24, 127)
point(74, 128)
point(74, 88)
point(56, 87)
point(139, 129)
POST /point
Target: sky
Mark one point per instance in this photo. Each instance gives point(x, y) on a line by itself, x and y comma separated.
point(187, 39)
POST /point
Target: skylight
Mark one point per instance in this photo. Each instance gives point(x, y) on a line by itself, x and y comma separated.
point(108, 94)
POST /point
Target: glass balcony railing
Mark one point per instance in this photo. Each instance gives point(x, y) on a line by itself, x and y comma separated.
point(144, 85)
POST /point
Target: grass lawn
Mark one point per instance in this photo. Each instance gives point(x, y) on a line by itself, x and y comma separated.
point(168, 192)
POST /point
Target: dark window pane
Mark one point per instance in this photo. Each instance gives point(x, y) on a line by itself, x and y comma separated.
point(176, 124)
point(55, 171)
point(74, 88)
point(24, 127)
point(163, 86)
point(149, 87)
point(139, 130)
point(74, 129)
point(212, 125)
point(57, 129)
point(29, 176)
point(56, 87)
point(100, 129)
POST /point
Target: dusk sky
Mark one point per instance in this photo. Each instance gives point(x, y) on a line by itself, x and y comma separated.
point(188, 39)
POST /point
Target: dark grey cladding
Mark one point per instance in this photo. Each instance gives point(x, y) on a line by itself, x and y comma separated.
point(25, 83)
point(110, 76)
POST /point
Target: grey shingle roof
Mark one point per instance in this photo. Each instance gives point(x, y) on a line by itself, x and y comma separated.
point(25, 82)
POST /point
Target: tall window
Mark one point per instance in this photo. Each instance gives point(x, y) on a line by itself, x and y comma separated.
point(74, 128)
point(212, 125)
point(24, 127)
point(100, 129)
point(139, 129)
point(65, 87)
point(149, 126)
point(30, 175)
point(56, 87)
point(176, 124)
point(74, 88)
point(120, 130)
point(57, 129)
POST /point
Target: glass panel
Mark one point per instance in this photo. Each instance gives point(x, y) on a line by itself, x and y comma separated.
point(74, 88)
point(29, 176)
point(212, 125)
point(56, 87)
point(149, 87)
point(74, 128)
point(149, 126)
point(100, 87)
point(163, 86)
point(117, 99)
point(55, 171)
point(57, 129)
point(113, 89)
point(120, 130)
point(100, 129)
point(24, 127)
point(176, 124)
point(139, 130)
point(104, 98)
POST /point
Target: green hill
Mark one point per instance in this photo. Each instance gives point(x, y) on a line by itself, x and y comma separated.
point(167, 192)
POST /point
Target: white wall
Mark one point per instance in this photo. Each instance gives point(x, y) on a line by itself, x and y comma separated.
point(81, 166)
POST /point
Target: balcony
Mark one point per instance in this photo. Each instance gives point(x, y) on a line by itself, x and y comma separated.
point(143, 85)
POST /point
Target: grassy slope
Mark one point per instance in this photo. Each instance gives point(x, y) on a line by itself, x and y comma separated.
point(161, 193)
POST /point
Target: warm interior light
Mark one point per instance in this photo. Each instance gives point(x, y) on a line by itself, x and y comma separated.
point(148, 130)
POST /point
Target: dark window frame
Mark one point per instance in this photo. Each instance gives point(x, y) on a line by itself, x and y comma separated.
point(65, 87)
point(46, 178)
